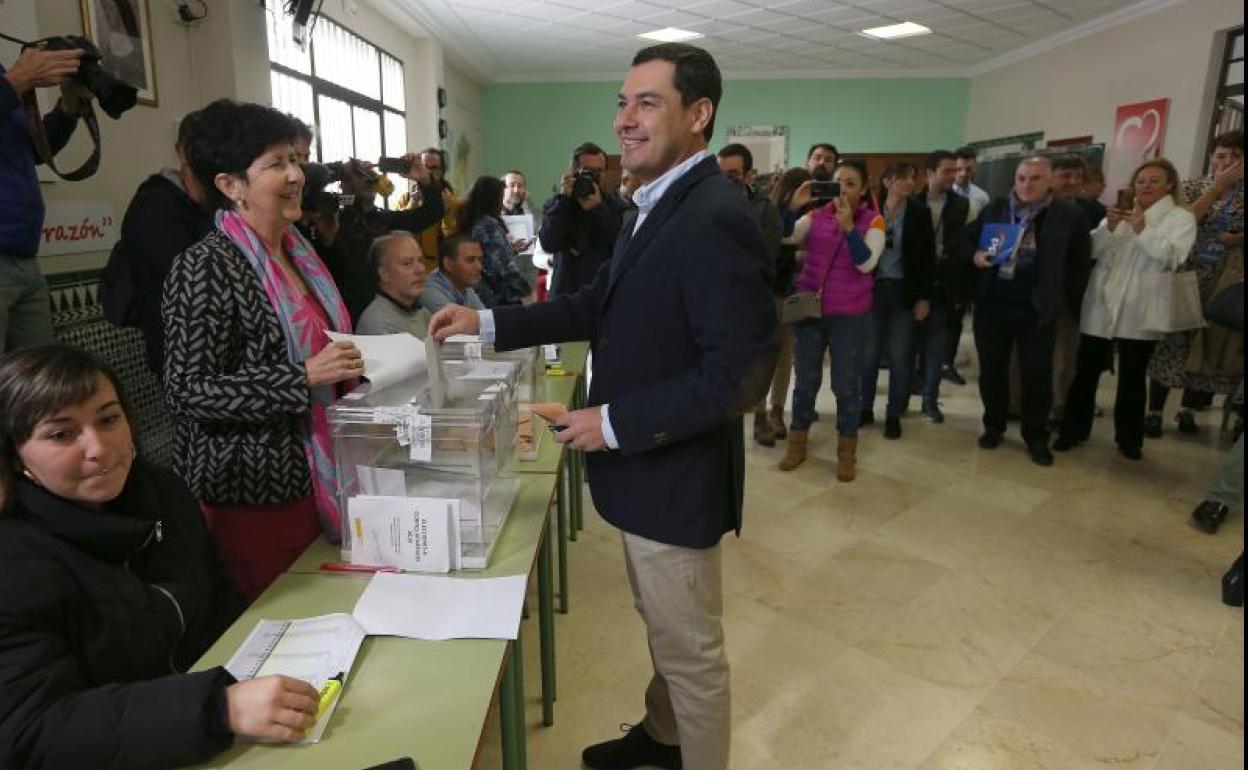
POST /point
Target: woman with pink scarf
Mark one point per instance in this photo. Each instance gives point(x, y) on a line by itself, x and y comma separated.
point(249, 369)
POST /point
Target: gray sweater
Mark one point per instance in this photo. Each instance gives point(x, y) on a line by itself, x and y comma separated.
point(385, 316)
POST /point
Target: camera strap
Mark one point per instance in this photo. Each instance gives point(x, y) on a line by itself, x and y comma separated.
point(39, 137)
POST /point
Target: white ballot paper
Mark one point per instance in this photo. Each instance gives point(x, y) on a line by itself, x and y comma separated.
point(312, 649)
point(433, 360)
point(388, 358)
point(489, 370)
point(411, 533)
point(437, 608)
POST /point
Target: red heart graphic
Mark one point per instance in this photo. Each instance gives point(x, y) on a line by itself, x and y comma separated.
point(1138, 134)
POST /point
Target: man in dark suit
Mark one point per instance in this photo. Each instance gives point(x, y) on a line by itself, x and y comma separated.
point(1020, 298)
point(683, 330)
point(948, 214)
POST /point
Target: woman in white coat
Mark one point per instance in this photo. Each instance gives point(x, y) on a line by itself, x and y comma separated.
point(1131, 248)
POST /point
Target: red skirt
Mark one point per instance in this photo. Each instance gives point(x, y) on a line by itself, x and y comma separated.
point(258, 542)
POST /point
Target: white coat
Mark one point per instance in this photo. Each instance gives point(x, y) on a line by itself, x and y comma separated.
point(1114, 304)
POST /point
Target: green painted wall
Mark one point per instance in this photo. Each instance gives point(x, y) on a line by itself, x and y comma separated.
point(535, 126)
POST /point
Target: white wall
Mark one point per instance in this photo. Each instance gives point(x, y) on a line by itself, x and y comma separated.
point(1074, 89)
point(465, 116)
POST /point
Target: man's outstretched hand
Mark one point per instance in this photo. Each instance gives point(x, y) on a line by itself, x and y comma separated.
point(452, 320)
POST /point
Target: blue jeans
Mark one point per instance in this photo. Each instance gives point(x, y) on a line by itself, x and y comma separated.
point(934, 345)
point(846, 337)
point(892, 333)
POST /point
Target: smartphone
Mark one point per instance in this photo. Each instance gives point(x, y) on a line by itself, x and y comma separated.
point(1126, 199)
point(392, 165)
point(825, 191)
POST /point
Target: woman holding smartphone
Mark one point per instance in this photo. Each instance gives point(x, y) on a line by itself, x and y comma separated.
point(1129, 248)
point(843, 245)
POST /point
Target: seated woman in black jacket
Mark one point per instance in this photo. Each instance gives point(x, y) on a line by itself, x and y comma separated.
point(109, 589)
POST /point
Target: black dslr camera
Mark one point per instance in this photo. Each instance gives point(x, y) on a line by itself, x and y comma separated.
point(114, 96)
point(585, 184)
point(318, 200)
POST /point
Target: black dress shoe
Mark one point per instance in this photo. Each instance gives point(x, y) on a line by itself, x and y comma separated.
point(867, 417)
point(1152, 426)
point(1233, 584)
point(1131, 452)
point(635, 749)
point(931, 411)
point(1209, 515)
point(1040, 454)
point(1064, 444)
point(949, 374)
point(990, 440)
point(1187, 422)
point(892, 428)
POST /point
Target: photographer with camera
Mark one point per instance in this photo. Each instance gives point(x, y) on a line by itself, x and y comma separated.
point(581, 222)
point(25, 314)
point(343, 237)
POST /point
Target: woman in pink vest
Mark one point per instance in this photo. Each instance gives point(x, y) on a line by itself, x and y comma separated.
point(843, 243)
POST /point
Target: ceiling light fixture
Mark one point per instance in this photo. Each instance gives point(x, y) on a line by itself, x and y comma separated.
point(671, 35)
point(894, 31)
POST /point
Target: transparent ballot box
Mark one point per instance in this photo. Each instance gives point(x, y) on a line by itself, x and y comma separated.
point(422, 486)
point(464, 347)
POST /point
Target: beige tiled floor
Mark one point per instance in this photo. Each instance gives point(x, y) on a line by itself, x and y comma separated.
point(952, 609)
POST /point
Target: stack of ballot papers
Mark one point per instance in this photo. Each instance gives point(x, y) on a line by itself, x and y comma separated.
point(388, 358)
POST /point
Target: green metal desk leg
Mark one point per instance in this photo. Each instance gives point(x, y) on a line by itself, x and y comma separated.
point(546, 626)
point(561, 526)
point(567, 489)
point(511, 708)
point(578, 490)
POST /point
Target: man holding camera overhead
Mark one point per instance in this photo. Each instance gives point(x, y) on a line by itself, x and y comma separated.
point(581, 222)
point(25, 315)
point(345, 248)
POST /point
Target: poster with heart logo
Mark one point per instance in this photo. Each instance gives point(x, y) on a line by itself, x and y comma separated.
point(1139, 134)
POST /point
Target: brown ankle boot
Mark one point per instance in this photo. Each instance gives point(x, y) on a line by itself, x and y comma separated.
point(795, 455)
point(763, 432)
point(777, 424)
point(846, 458)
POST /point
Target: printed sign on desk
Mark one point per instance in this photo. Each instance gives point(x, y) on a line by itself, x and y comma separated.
point(74, 227)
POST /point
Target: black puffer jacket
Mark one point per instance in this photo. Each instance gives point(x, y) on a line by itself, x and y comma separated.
point(99, 611)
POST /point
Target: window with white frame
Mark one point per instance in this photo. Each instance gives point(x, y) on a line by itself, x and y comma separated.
point(349, 90)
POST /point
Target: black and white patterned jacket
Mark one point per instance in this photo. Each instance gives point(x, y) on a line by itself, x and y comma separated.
point(239, 404)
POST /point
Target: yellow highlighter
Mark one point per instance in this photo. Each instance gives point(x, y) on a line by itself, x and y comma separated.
point(329, 693)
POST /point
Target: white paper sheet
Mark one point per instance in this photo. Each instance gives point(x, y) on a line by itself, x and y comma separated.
point(388, 358)
point(520, 228)
point(412, 533)
point(312, 649)
point(421, 607)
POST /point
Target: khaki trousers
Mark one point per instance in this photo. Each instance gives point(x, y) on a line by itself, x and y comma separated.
point(679, 594)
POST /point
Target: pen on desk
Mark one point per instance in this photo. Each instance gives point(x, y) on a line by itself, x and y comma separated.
point(342, 566)
point(329, 691)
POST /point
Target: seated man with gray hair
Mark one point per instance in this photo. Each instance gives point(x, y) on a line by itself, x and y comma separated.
point(395, 259)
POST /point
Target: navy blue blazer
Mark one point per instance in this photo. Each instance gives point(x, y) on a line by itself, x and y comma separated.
point(682, 324)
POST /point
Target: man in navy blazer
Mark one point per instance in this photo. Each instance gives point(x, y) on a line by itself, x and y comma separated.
point(682, 325)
